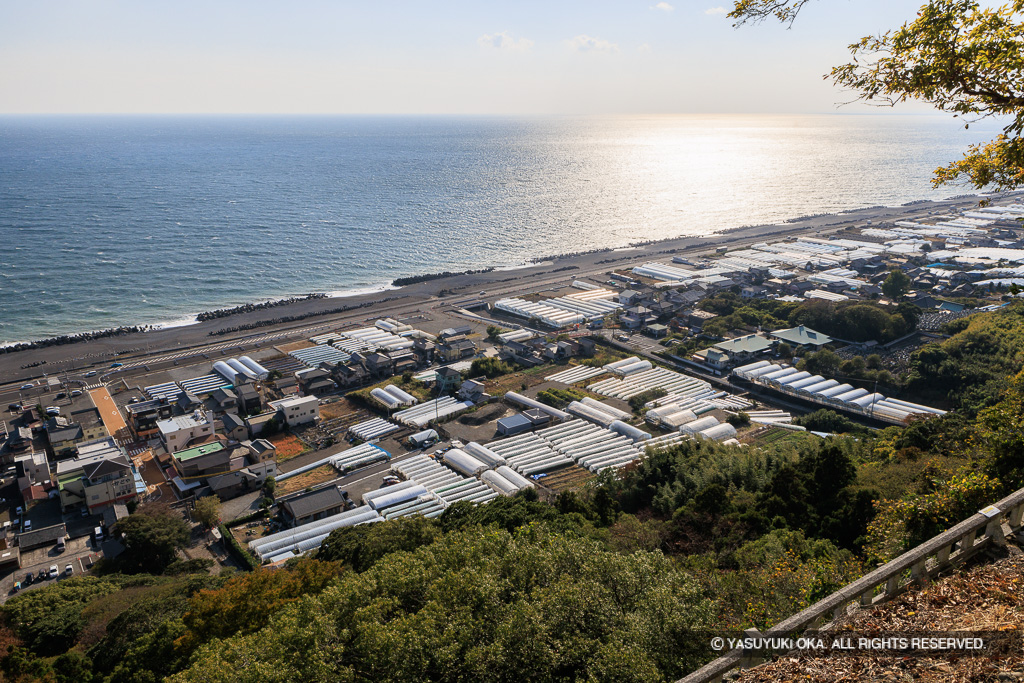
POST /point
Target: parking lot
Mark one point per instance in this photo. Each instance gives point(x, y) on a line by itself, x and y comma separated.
point(80, 554)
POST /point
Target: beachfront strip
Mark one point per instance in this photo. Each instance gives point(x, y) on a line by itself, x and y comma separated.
point(477, 398)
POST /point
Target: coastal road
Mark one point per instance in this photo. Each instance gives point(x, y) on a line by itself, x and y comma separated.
point(166, 345)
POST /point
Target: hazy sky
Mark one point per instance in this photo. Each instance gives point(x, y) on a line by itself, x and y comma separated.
point(397, 56)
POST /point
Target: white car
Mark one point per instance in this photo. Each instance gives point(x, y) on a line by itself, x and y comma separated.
point(69, 570)
point(76, 392)
point(28, 386)
point(91, 373)
point(54, 572)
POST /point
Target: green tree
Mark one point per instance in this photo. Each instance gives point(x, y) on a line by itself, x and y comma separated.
point(207, 511)
point(957, 55)
point(481, 604)
point(151, 537)
point(785, 350)
point(269, 486)
point(896, 285)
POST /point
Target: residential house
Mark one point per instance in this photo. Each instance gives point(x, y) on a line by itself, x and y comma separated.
point(225, 399)
point(299, 410)
point(202, 461)
point(249, 399)
point(142, 417)
point(629, 297)
point(63, 437)
point(100, 476)
point(234, 427)
point(315, 382)
point(312, 506)
point(451, 351)
point(178, 432)
point(754, 292)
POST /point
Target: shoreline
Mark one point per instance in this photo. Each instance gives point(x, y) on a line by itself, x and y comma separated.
point(411, 297)
point(188, 319)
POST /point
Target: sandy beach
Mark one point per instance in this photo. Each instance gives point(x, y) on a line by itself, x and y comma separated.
point(425, 295)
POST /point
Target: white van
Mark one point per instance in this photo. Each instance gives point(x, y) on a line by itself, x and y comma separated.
point(98, 533)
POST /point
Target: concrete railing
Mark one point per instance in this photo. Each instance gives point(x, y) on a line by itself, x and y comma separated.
point(990, 526)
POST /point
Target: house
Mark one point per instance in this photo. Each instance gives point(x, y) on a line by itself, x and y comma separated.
point(33, 469)
point(451, 351)
point(203, 460)
point(424, 350)
point(225, 399)
point(91, 422)
point(802, 338)
point(249, 399)
point(312, 506)
point(402, 360)
point(657, 331)
point(696, 318)
point(299, 410)
point(257, 422)
point(187, 402)
point(350, 375)
point(629, 297)
point(63, 437)
point(754, 292)
point(315, 382)
point(250, 464)
point(100, 476)
point(472, 390)
point(716, 358)
point(234, 427)
point(177, 432)
point(142, 417)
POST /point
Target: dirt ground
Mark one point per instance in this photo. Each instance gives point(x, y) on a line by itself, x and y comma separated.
point(307, 479)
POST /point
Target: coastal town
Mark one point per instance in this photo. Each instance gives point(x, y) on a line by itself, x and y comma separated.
point(546, 382)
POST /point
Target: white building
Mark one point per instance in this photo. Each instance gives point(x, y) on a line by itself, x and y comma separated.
point(177, 432)
point(299, 410)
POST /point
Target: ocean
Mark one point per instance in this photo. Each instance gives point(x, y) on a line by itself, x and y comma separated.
point(119, 220)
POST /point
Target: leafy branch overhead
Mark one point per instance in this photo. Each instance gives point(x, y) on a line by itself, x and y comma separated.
point(956, 55)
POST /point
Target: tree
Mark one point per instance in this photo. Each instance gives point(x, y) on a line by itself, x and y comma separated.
point(958, 56)
point(151, 538)
point(896, 285)
point(785, 350)
point(269, 486)
point(207, 511)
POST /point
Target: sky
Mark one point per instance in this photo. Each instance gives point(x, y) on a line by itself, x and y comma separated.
point(491, 57)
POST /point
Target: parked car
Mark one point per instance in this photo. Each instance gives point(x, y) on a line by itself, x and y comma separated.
point(85, 512)
point(69, 570)
point(54, 572)
point(14, 407)
point(61, 545)
point(53, 411)
point(27, 526)
point(18, 510)
point(28, 579)
point(61, 394)
point(42, 575)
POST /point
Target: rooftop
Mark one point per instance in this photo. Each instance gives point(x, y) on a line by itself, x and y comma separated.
point(752, 343)
point(199, 451)
point(802, 336)
point(317, 501)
